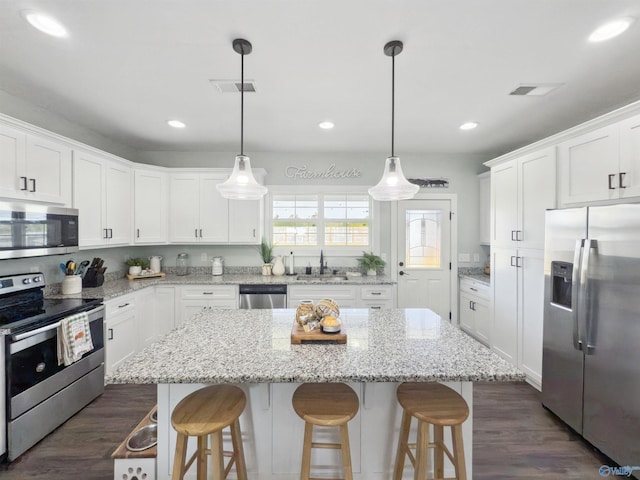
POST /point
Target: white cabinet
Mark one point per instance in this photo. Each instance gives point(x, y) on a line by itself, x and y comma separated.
point(146, 317)
point(199, 214)
point(601, 165)
point(121, 331)
point(377, 297)
point(346, 296)
point(484, 205)
point(521, 191)
point(151, 212)
point(34, 167)
point(165, 300)
point(475, 318)
point(194, 298)
point(102, 192)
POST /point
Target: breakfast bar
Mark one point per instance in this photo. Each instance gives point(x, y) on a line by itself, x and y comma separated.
point(253, 349)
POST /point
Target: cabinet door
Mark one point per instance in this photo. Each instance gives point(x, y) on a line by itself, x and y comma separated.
point(48, 170)
point(214, 212)
point(184, 216)
point(482, 319)
point(629, 176)
point(122, 334)
point(13, 181)
point(504, 204)
point(150, 206)
point(536, 194)
point(467, 315)
point(88, 198)
point(119, 203)
point(504, 280)
point(165, 309)
point(589, 166)
point(245, 225)
point(530, 313)
point(147, 311)
point(484, 215)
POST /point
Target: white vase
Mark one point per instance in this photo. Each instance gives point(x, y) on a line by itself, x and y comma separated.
point(135, 270)
point(278, 266)
point(371, 272)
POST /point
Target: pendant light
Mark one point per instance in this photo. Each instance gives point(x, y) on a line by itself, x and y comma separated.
point(241, 185)
point(393, 185)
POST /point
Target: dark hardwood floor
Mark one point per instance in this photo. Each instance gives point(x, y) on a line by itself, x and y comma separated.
point(514, 437)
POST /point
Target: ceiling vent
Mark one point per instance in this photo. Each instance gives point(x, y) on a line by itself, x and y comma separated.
point(534, 89)
point(234, 86)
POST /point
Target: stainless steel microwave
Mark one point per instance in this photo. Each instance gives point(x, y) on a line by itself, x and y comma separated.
point(31, 230)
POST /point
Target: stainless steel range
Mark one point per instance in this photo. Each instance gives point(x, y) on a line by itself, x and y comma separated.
point(39, 395)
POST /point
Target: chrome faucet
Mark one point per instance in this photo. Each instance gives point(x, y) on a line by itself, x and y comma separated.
point(322, 267)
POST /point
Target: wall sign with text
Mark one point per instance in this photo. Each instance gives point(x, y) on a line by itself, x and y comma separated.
point(332, 172)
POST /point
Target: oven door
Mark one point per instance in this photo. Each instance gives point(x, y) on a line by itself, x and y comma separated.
point(32, 364)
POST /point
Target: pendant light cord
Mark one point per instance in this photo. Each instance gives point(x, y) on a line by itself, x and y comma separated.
point(242, 103)
point(393, 102)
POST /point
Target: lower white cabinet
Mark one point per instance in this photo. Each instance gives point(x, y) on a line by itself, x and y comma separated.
point(165, 301)
point(346, 296)
point(121, 331)
point(194, 298)
point(475, 318)
point(146, 312)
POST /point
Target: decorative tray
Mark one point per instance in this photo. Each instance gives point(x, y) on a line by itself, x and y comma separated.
point(148, 275)
point(299, 336)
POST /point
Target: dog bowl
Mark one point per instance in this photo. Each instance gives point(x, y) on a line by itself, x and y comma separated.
point(144, 438)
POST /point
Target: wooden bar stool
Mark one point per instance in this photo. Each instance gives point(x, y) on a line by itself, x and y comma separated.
point(438, 405)
point(327, 405)
point(206, 412)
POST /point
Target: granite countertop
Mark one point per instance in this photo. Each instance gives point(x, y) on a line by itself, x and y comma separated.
point(475, 274)
point(116, 288)
point(254, 346)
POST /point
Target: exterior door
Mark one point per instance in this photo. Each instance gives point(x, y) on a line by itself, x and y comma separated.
point(424, 255)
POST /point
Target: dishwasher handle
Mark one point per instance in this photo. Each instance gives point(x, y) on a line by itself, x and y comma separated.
point(263, 289)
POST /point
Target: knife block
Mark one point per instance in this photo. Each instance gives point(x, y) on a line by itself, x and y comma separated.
point(93, 277)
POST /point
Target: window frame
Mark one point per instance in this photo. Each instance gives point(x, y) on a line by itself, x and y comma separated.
point(321, 191)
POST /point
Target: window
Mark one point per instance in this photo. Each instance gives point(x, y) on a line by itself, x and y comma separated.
point(327, 220)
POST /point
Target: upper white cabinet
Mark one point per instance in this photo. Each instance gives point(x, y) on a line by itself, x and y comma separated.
point(199, 214)
point(150, 206)
point(601, 165)
point(103, 193)
point(522, 190)
point(34, 167)
point(484, 216)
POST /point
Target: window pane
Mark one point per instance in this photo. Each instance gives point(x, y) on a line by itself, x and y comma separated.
point(424, 237)
point(346, 233)
point(346, 206)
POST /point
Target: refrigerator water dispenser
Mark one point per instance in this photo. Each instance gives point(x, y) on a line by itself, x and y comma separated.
point(561, 283)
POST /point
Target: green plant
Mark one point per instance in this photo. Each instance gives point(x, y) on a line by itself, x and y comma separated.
point(137, 262)
point(371, 261)
point(266, 251)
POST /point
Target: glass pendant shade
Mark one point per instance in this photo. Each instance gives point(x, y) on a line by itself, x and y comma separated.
point(393, 185)
point(241, 185)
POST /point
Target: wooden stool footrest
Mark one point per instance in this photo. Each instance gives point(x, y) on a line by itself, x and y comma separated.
point(336, 446)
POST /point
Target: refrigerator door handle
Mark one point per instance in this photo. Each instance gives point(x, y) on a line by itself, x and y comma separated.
point(585, 296)
point(576, 292)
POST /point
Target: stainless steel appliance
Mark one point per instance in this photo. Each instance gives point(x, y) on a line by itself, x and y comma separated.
point(30, 230)
point(263, 296)
point(591, 355)
point(40, 395)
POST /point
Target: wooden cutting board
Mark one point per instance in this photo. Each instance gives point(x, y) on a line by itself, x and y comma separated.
point(150, 275)
point(299, 336)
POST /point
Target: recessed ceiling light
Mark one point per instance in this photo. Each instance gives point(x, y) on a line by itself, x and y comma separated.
point(45, 23)
point(611, 29)
point(176, 124)
point(468, 126)
point(326, 125)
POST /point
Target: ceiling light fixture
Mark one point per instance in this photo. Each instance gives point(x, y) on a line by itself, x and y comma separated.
point(176, 124)
point(393, 185)
point(468, 125)
point(611, 29)
point(241, 185)
point(326, 125)
point(45, 24)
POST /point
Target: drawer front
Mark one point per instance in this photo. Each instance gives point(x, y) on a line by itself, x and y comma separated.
point(474, 288)
point(376, 293)
point(229, 292)
point(378, 305)
point(119, 305)
point(311, 292)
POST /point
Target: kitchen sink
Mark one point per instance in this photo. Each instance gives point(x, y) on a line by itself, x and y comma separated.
point(325, 278)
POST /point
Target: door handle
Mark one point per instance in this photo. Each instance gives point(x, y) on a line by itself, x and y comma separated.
point(111, 233)
point(200, 233)
point(254, 233)
point(109, 333)
point(24, 183)
point(513, 236)
point(402, 273)
point(105, 233)
point(196, 233)
point(519, 262)
point(576, 292)
point(519, 235)
point(137, 233)
point(513, 261)
point(33, 184)
point(611, 187)
point(585, 298)
point(621, 178)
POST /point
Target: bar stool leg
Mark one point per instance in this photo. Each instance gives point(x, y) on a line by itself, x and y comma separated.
point(403, 440)
point(346, 452)
point(217, 457)
point(201, 458)
point(438, 452)
point(422, 451)
point(305, 470)
point(180, 457)
point(238, 450)
point(458, 452)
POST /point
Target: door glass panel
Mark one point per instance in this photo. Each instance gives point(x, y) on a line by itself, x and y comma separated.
point(424, 239)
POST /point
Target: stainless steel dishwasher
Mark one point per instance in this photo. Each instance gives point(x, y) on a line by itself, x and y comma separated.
point(263, 296)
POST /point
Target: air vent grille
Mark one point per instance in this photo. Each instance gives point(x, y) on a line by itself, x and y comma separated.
point(234, 86)
point(534, 89)
point(523, 90)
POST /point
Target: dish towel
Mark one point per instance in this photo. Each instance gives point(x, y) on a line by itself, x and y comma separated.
point(74, 338)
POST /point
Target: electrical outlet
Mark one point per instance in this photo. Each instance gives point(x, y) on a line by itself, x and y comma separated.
point(464, 257)
point(203, 257)
point(476, 257)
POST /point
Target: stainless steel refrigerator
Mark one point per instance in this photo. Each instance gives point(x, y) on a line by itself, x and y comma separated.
point(591, 355)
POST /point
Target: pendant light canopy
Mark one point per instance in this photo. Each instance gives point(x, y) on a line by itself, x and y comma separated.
point(393, 185)
point(242, 185)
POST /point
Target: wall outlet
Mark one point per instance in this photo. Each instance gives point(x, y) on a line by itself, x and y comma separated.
point(464, 257)
point(476, 257)
point(203, 257)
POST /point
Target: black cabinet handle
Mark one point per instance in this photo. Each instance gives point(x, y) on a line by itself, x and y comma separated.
point(33, 184)
point(24, 183)
point(109, 333)
point(196, 233)
point(200, 233)
point(137, 233)
point(611, 187)
point(519, 262)
point(513, 261)
point(621, 177)
point(123, 305)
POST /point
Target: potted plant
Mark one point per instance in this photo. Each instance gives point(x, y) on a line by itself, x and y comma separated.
point(266, 252)
point(136, 265)
point(371, 263)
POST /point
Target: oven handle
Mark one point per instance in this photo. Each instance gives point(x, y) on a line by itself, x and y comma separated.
point(53, 326)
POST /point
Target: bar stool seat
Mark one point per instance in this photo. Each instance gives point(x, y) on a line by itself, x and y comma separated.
point(327, 405)
point(205, 413)
point(437, 405)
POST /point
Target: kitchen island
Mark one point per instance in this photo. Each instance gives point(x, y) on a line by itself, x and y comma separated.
point(252, 348)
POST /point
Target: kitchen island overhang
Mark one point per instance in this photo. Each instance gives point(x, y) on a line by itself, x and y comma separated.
point(252, 349)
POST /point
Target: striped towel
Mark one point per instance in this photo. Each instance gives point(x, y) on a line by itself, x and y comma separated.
point(74, 338)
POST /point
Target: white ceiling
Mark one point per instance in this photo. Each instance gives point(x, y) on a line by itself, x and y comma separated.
point(130, 65)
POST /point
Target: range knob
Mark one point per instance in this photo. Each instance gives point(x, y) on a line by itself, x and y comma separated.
point(36, 279)
point(26, 281)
